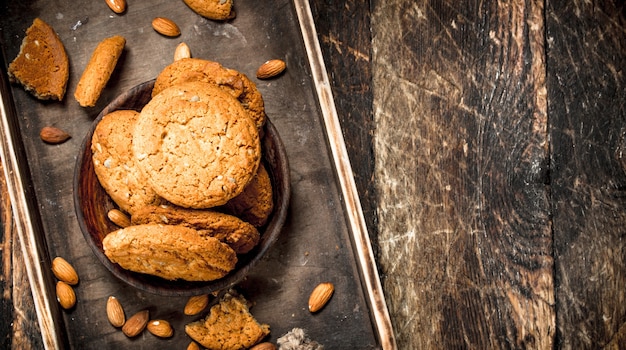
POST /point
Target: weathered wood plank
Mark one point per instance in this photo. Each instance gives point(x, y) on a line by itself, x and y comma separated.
point(461, 169)
point(587, 93)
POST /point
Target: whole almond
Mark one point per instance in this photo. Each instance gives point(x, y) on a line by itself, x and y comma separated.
point(196, 304)
point(136, 323)
point(270, 69)
point(118, 217)
point(320, 296)
point(182, 51)
point(117, 6)
point(165, 26)
point(115, 312)
point(65, 295)
point(160, 328)
point(264, 346)
point(64, 271)
point(53, 135)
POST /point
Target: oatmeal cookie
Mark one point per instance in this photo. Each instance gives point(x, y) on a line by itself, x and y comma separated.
point(235, 83)
point(196, 145)
point(255, 203)
point(114, 163)
point(170, 252)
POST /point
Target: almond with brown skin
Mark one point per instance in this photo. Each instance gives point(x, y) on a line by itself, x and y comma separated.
point(115, 312)
point(270, 69)
point(193, 346)
point(196, 304)
point(165, 26)
point(64, 271)
point(160, 328)
point(117, 6)
point(320, 296)
point(53, 135)
point(182, 51)
point(65, 295)
point(264, 346)
point(118, 217)
point(136, 323)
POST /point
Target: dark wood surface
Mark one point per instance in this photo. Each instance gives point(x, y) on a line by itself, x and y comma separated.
point(487, 140)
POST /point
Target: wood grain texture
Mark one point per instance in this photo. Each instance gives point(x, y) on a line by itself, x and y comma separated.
point(587, 94)
point(461, 171)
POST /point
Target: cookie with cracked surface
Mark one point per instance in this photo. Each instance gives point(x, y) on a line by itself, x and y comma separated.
point(255, 203)
point(238, 234)
point(212, 9)
point(114, 164)
point(235, 83)
point(41, 66)
point(170, 252)
point(196, 145)
point(229, 325)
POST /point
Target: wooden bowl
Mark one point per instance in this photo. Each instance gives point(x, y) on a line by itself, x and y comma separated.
point(92, 203)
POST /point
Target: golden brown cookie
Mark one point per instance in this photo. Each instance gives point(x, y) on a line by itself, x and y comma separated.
point(196, 145)
point(239, 235)
point(229, 325)
point(98, 71)
point(170, 252)
point(41, 66)
point(235, 83)
point(212, 9)
point(255, 203)
point(114, 163)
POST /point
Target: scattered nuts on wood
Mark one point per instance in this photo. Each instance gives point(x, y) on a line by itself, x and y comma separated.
point(64, 271)
point(182, 51)
point(193, 346)
point(136, 323)
point(196, 304)
point(264, 346)
point(320, 296)
point(65, 295)
point(270, 69)
point(115, 312)
point(119, 218)
point(117, 6)
point(165, 26)
point(160, 328)
point(53, 135)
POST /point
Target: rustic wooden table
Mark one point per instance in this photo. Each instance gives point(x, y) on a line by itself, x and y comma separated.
point(487, 139)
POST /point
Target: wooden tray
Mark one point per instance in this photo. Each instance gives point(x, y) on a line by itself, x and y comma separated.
point(325, 237)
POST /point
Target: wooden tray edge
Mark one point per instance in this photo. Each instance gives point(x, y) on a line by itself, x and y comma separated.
point(354, 213)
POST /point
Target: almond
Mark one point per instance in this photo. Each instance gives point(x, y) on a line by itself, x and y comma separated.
point(117, 6)
point(182, 51)
point(115, 312)
point(270, 69)
point(160, 328)
point(165, 26)
point(119, 218)
point(65, 295)
point(136, 323)
point(264, 346)
point(53, 135)
point(320, 296)
point(196, 304)
point(64, 271)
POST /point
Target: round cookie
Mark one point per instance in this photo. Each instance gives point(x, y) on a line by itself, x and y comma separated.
point(196, 145)
point(170, 252)
point(239, 235)
point(235, 83)
point(114, 163)
point(255, 203)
